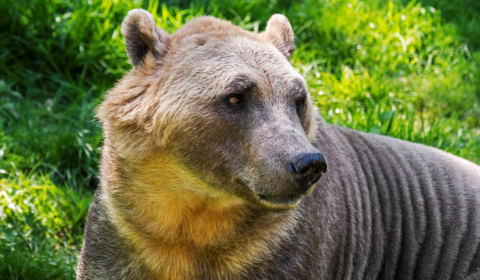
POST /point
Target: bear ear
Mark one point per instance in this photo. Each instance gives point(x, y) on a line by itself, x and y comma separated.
point(279, 32)
point(143, 39)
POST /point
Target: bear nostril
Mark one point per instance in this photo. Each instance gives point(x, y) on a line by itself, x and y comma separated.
point(307, 169)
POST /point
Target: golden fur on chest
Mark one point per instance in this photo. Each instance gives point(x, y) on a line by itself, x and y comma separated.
point(179, 229)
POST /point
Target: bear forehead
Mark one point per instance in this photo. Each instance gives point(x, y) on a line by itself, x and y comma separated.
point(211, 27)
point(211, 54)
point(211, 38)
point(223, 70)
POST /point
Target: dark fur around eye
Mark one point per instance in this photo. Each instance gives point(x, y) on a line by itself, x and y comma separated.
point(300, 105)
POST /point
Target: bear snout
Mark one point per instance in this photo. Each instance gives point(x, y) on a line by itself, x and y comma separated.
point(307, 169)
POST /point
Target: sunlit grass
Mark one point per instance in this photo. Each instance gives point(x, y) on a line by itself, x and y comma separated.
point(41, 228)
point(403, 69)
point(396, 70)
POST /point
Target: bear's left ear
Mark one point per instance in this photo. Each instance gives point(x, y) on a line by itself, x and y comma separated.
point(279, 32)
point(143, 39)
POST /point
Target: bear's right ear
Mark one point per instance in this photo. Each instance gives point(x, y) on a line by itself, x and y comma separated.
point(279, 32)
point(143, 39)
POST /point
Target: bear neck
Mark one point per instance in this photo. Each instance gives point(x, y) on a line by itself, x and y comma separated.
point(179, 228)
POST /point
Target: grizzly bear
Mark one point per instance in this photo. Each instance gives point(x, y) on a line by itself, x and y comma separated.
point(217, 165)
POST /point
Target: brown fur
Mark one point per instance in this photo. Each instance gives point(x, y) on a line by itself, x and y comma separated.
point(172, 217)
point(183, 174)
point(174, 220)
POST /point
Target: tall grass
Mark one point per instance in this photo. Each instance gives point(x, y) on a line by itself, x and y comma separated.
point(407, 69)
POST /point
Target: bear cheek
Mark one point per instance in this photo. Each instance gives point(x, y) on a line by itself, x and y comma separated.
point(213, 151)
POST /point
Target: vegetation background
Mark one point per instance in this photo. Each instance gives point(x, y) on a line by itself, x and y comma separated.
point(401, 68)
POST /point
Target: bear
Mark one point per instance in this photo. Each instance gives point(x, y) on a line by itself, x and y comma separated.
point(217, 165)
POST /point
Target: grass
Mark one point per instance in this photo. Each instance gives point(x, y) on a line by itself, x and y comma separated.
point(406, 69)
point(41, 228)
point(395, 70)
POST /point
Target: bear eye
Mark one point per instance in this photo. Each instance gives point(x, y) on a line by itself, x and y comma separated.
point(300, 104)
point(234, 100)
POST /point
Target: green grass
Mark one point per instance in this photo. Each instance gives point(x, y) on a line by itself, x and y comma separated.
point(406, 69)
point(41, 228)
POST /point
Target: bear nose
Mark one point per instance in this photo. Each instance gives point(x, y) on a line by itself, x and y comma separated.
point(307, 169)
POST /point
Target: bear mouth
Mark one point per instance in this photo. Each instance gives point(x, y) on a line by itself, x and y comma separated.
point(280, 199)
point(276, 202)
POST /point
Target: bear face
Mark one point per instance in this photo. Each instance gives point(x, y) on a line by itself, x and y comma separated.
point(222, 104)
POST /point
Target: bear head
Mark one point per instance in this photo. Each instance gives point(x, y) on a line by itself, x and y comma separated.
point(222, 104)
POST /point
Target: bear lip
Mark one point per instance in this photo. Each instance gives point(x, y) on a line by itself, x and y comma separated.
point(272, 200)
point(281, 199)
